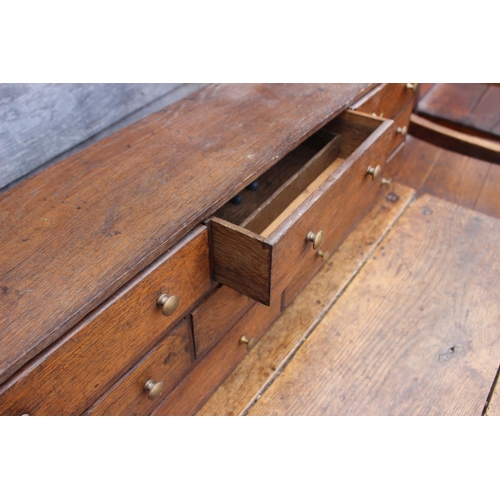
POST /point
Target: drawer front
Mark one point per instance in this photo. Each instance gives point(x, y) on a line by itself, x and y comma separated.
point(386, 101)
point(261, 267)
point(139, 391)
point(400, 130)
point(85, 363)
point(216, 315)
point(188, 397)
point(394, 162)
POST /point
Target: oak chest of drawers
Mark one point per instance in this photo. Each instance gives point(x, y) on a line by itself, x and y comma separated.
point(136, 274)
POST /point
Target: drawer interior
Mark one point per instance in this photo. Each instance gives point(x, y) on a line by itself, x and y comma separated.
point(257, 243)
point(283, 187)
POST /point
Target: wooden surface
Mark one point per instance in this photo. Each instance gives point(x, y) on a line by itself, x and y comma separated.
point(264, 363)
point(216, 315)
point(78, 231)
point(473, 108)
point(453, 140)
point(457, 178)
point(39, 121)
point(211, 370)
point(167, 362)
point(386, 100)
point(416, 333)
point(75, 371)
point(493, 409)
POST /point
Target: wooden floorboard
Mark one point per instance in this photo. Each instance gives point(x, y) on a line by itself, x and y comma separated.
point(264, 362)
point(488, 200)
point(493, 409)
point(457, 178)
point(416, 333)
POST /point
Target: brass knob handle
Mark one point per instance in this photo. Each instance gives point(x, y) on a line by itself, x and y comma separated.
point(249, 342)
point(154, 389)
point(412, 86)
point(374, 172)
point(167, 303)
point(387, 182)
point(315, 239)
point(402, 130)
point(324, 255)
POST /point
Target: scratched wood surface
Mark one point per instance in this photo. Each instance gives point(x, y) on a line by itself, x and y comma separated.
point(75, 233)
point(416, 333)
point(273, 351)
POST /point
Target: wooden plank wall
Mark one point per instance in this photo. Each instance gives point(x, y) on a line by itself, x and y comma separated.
point(41, 123)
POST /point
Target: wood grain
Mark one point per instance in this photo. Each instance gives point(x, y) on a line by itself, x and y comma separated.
point(386, 100)
point(167, 362)
point(415, 334)
point(419, 158)
point(264, 363)
point(211, 370)
point(39, 121)
point(216, 315)
point(457, 178)
point(488, 200)
point(453, 102)
point(241, 260)
point(493, 409)
point(450, 139)
point(78, 231)
point(74, 372)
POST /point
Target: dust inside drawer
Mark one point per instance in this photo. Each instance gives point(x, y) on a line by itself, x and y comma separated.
point(256, 244)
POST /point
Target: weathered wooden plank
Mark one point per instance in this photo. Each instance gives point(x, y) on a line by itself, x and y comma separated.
point(417, 331)
point(273, 351)
point(39, 121)
point(76, 232)
point(493, 409)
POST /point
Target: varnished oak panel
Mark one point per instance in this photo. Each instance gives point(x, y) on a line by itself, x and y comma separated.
point(212, 369)
point(71, 375)
point(77, 232)
point(278, 345)
point(417, 331)
point(167, 362)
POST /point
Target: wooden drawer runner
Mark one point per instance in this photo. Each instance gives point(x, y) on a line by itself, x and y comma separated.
point(168, 361)
point(261, 255)
point(216, 315)
point(85, 363)
point(218, 363)
point(386, 100)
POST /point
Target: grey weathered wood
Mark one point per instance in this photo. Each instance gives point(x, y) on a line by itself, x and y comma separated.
point(39, 122)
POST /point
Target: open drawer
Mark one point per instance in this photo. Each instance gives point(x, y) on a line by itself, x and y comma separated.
point(304, 207)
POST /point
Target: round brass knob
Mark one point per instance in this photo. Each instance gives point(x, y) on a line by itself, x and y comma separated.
point(374, 172)
point(402, 130)
point(324, 255)
point(154, 389)
point(315, 239)
point(387, 182)
point(249, 342)
point(412, 86)
point(167, 303)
